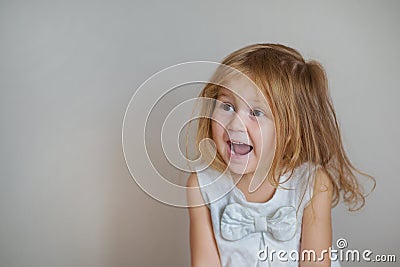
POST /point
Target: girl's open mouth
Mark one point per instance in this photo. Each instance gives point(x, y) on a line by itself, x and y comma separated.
point(238, 148)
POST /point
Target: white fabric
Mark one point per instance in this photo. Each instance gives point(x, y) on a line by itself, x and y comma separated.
point(243, 228)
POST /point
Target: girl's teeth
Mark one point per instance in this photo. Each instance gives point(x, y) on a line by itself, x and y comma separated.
point(240, 148)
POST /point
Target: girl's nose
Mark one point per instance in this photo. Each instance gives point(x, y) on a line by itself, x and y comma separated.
point(237, 123)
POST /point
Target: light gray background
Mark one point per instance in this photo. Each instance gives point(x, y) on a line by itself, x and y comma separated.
point(69, 68)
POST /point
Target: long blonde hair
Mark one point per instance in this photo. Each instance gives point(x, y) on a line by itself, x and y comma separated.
point(306, 126)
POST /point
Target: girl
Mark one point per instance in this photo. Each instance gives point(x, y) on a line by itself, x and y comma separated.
point(264, 194)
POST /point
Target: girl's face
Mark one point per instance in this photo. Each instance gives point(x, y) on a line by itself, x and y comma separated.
point(243, 127)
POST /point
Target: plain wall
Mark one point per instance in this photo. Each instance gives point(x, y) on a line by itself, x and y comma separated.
point(69, 68)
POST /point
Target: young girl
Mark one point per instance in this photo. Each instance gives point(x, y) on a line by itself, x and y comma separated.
point(264, 197)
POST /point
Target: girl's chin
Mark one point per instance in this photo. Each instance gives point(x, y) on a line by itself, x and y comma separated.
point(239, 169)
point(239, 164)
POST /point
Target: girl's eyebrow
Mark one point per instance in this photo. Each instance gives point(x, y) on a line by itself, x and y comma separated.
point(227, 93)
point(224, 92)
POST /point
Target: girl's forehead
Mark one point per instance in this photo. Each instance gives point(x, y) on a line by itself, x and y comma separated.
point(242, 87)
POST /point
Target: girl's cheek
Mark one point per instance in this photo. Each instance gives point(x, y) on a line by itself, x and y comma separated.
point(220, 119)
point(215, 117)
point(216, 129)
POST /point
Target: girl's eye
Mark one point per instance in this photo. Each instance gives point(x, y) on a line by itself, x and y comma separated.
point(257, 113)
point(227, 107)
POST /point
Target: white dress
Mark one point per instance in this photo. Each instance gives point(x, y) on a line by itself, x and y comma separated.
point(257, 234)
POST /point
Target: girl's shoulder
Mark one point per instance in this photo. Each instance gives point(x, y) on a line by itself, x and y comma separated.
point(303, 174)
point(305, 181)
point(213, 184)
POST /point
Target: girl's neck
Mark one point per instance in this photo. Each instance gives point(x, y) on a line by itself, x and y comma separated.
point(246, 179)
point(261, 190)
